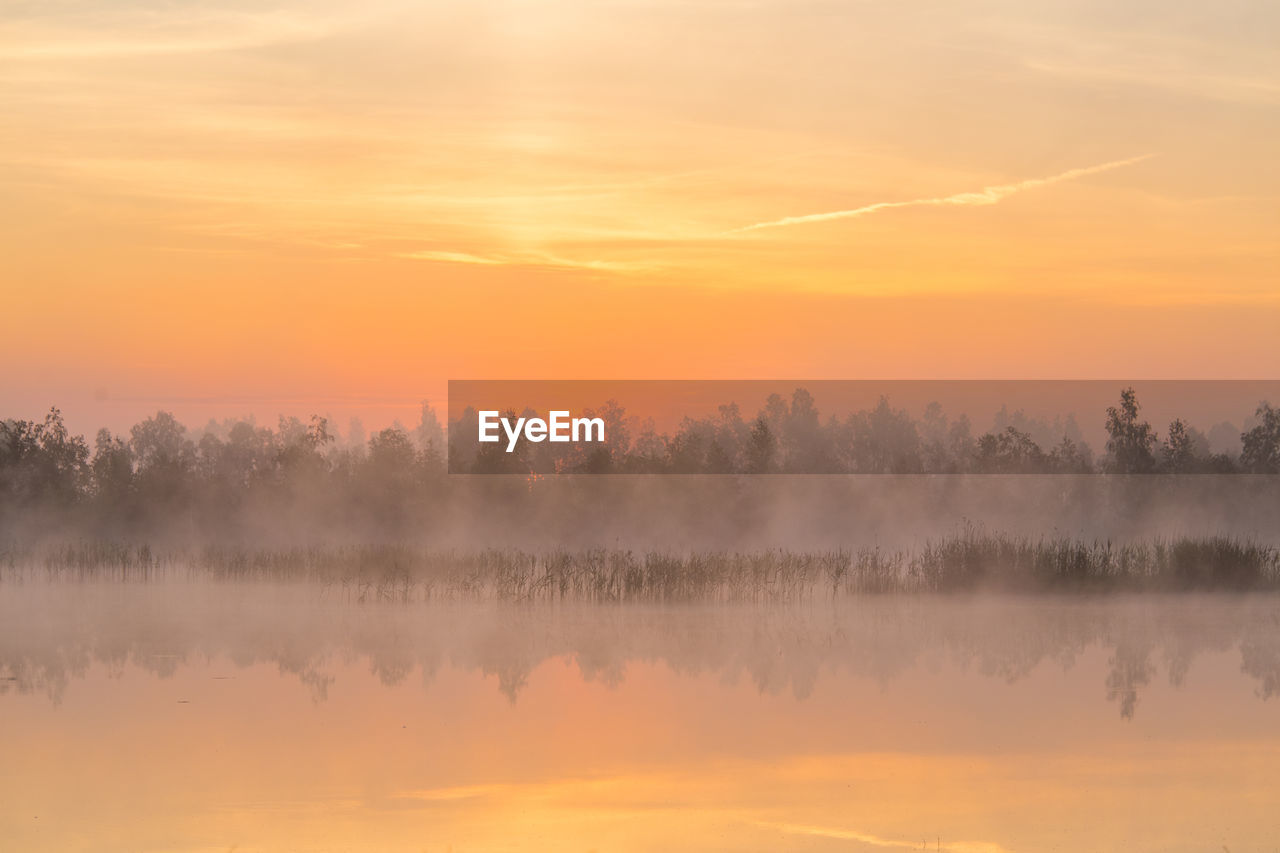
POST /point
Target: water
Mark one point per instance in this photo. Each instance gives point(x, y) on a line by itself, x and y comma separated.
point(190, 717)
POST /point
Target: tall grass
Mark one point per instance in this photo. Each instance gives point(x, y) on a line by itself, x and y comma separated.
point(973, 560)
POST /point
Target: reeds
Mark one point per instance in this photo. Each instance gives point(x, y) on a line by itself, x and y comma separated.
point(973, 560)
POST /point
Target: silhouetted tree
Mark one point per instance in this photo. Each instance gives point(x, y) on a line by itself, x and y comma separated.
point(388, 479)
point(1261, 445)
point(300, 457)
point(687, 450)
point(1179, 452)
point(617, 434)
point(805, 449)
point(718, 461)
point(1070, 457)
point(165, 460)
point(885, 441)
point(1132, 442)
point(648, 451)
point(762, 448)
point(463, 443)
point(112, 468)
point(41, 462)
point(934, 429)
point(1009, 452)
point(429, 436)
point(731, 436)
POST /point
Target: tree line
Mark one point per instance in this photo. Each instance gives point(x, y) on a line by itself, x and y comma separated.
point(159, 468)
point(792, 437)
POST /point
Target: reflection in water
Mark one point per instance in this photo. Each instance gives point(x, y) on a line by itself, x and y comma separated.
point(51, 634)
point(275, 717)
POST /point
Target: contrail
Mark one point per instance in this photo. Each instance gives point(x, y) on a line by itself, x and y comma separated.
point(986, 195)
point(878, 841)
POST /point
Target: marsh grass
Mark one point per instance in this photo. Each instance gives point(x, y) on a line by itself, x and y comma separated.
point(973, 560)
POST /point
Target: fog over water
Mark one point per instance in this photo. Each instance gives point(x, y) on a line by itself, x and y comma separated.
point(711, 512)
point(798, 512)
point(53, 632)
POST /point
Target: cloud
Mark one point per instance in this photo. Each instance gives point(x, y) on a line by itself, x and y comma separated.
point(878, 841)
point(526, 259)
point(454, 258)
point(984, 196)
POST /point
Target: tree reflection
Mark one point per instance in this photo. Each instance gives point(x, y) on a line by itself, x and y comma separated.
point(52, 634)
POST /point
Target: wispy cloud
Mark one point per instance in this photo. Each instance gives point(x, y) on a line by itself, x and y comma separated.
point(526, 259)
point(984, 196)
point(879, 841)
point(454, 258)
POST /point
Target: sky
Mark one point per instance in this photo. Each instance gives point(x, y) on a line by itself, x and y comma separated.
point(229, 208)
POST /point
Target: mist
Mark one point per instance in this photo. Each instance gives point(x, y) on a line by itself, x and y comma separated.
point(876, 478)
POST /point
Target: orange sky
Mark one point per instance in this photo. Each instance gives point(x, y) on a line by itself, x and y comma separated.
point(223, 208)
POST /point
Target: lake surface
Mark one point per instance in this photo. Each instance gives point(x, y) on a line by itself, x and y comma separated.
point(214, 717)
